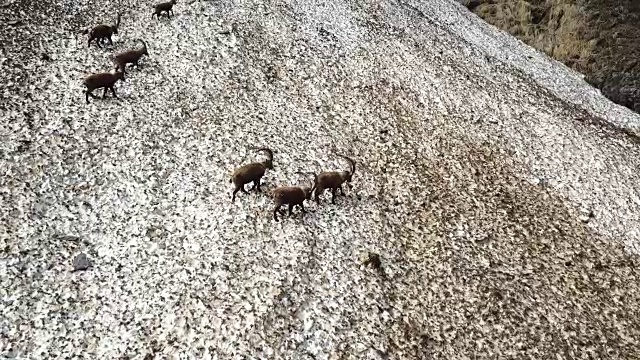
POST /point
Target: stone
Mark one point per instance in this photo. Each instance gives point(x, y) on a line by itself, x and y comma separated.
point(81, 262)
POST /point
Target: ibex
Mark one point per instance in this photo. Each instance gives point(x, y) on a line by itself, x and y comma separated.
point(101, 33)
point(333, 180)
point(167, 7)
point(102, 80)
point(252, 172)
point(129, 57)
point(292, 196)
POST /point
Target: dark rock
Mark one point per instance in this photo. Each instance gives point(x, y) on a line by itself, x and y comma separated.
point(71, 238)
point(586, 216)
point(538, 14)
point(472, 4)
point(24, 145)
point(497, 294)
point(373, 260)
point(483, 239)
point(81, 262)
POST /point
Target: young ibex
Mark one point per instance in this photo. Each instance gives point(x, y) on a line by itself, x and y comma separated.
point(167, 7)
point(252, 172)
point(333, 180)
point(101, 33)
point(291, 195)
point(129, 57)
point(102, 80)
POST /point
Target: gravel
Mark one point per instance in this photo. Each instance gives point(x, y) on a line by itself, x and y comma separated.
point(478, 160)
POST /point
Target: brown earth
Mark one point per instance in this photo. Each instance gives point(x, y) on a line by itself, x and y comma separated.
point(600, 39)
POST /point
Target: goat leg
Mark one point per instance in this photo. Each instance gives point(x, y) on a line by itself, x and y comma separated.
point(275, 212)
point(238, 188)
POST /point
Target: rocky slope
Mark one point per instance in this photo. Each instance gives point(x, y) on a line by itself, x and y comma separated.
point(476, 176)
point(598, 38)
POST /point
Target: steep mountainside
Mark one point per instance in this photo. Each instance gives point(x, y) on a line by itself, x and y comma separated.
point(500, 191)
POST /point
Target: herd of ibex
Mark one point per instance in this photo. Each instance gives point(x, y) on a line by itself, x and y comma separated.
point(245, 174)
point(102, 33)
point(291, 195)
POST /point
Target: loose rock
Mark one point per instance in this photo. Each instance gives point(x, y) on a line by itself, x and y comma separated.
point(81, 262)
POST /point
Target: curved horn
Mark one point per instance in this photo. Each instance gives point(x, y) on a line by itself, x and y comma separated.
point(143, 43)
point(351, 162)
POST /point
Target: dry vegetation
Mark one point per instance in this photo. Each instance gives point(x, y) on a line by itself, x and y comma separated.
point(598, 38)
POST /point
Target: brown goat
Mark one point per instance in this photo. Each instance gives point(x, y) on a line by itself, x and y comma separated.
point(251, 172)
point(333, 180)
point(129, 57)
point(102, 33)
point(292, 196)
point(167, 7)
point(102, 80)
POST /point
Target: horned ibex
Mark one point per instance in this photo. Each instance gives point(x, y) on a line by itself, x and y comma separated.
point(130, 57)
point(292, 196)
point(333, 180)
point(101, 33)
point(252, 172)
point(102, 80)
point(167, 7)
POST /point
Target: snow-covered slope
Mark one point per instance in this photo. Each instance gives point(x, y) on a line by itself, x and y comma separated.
point(475, 169)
